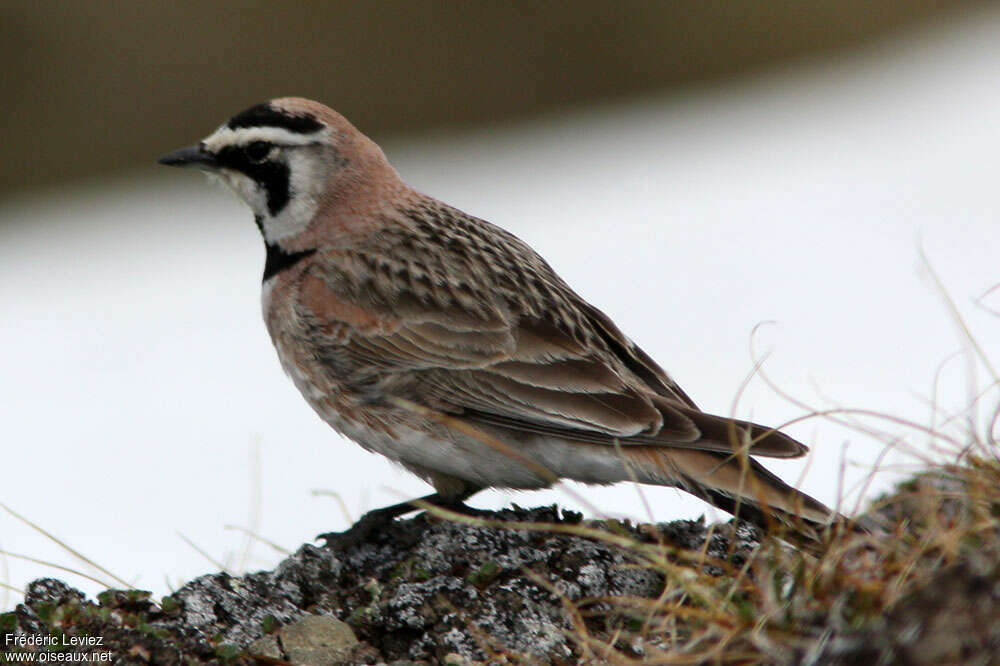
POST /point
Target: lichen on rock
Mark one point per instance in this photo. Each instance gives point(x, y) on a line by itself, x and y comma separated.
point(423, 589)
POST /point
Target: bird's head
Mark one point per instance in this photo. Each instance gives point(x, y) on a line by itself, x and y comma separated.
point(288, 159)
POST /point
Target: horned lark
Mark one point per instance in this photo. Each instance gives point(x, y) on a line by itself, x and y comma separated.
point(449, 346)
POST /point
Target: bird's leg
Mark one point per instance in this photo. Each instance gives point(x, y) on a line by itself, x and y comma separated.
point(378, 518)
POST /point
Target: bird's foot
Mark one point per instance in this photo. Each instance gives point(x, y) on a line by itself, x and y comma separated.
point(461, 508)
point(359, 532)
point(377, 519)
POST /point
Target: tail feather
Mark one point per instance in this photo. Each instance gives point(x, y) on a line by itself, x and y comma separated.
point(732, 433)
point(744, 488)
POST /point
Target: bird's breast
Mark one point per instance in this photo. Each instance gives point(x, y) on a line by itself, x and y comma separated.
point(309, 354)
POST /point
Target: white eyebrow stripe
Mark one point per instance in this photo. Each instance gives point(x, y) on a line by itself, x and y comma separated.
point(241, 136)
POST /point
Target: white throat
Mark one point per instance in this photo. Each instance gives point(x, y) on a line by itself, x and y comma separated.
point(307, 174)
point(305, 189)
point(306, 183)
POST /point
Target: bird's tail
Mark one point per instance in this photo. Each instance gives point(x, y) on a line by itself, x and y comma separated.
point(738, 485)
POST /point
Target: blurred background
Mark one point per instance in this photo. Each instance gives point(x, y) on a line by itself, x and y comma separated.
point(727, 180)
point(96, 87)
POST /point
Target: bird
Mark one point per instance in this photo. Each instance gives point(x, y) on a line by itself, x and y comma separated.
point(448, 345)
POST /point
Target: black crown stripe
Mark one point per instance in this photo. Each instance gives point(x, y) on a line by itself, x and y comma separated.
point(264, 115)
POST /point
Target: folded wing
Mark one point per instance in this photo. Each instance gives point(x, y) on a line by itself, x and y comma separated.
point(564, 371)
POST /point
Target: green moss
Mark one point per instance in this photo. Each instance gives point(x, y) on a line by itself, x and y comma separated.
point(373, 588)
point(7, 622)
point(617, 527)
point(401, 570)
point(170, 605)
point(66, 614)
point(150, 630)
point(745, 609)
point(228, 652)
point(44, 611)
point(409, 571)
point(269, 624)
point(58, 647)
point(635, 623)
point(485, 574)
point(359, 616)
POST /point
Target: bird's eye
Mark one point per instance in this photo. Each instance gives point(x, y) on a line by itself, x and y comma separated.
point(258, 151)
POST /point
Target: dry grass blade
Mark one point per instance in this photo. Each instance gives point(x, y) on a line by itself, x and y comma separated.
point(257, 537)
point(339, 500)
point(11, 588)
point(958, 318)
point(75, 572)
point(75, 553)
point(214, 562)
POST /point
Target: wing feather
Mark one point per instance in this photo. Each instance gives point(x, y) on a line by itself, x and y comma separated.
point(510, 345)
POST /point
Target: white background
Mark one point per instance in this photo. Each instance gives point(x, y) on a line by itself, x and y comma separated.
point(140, 396)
